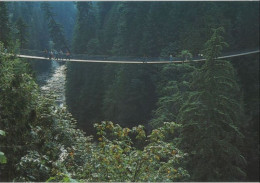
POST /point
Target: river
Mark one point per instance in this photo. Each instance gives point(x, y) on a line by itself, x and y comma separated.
point(53, 81)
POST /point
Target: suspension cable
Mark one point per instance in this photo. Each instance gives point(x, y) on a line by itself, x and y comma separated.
point(138, 61)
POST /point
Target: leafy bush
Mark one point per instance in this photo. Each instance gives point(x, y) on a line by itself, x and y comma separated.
point(116, 157)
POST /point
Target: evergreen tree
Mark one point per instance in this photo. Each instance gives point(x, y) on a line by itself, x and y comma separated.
point(108, 30)
point(84, 91)
point(22, 33)
point(4, 24)
point(130, 28)
point(211, 115)
point(55, 29)
point(85, 30)
point(248, 72)
point(154, 32)
point(172, 89)
point(131, 97)
point(17, 102)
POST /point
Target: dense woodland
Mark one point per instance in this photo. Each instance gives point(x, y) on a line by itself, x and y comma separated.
point(131, 122)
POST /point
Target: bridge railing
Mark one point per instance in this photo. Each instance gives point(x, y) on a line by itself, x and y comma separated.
point(116, 58)
point(98, 57)
point(123, 58)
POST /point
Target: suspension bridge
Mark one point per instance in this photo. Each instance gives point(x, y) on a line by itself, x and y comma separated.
point(101, 59)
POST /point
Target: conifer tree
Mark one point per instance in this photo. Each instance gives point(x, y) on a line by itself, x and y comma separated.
point(4, 24)
point(55, 29)
point(130, 28)
point(22, 32)
point(86, 101)
point(172, 88)
point(85, 30)
point(130, 99)
point(210, 116)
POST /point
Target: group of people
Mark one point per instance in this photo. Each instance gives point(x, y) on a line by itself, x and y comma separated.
point(54, 54)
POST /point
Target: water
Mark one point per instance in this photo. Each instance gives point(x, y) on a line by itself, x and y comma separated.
point(53, 81)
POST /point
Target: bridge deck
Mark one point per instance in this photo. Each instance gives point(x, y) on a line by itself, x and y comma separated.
point(137, 62)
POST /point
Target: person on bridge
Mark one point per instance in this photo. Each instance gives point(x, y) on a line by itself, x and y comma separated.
point(56, 57)
point(61, 55)
point(68, 55)
point(171, 58)
point(50, 54)
point(46, 53)
point(145, 58)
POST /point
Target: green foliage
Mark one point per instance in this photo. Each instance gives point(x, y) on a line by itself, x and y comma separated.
point(17, 101)
point(158, 29)
point(55, 140)
point(55, 29)
point(2, 158)
point(186, 55)
point(61, 178)
point(4, 24)
point(172, 87)
point(86, 101)
point(142, 30)
point(130, 97)
point(248, 73)
point(37, 132)
point(172, 48)
point(215, 45)
point(116, 157)
point(2, 155)
point(84, 97)
point(93, 46)
point(33, 16)
point(85, 29)
point(211, 116)
point(2, 133)
point(42, 142)
point(22, 33)
point(52, 149)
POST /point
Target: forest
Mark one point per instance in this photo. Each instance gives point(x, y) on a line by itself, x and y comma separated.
point(189, 121)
